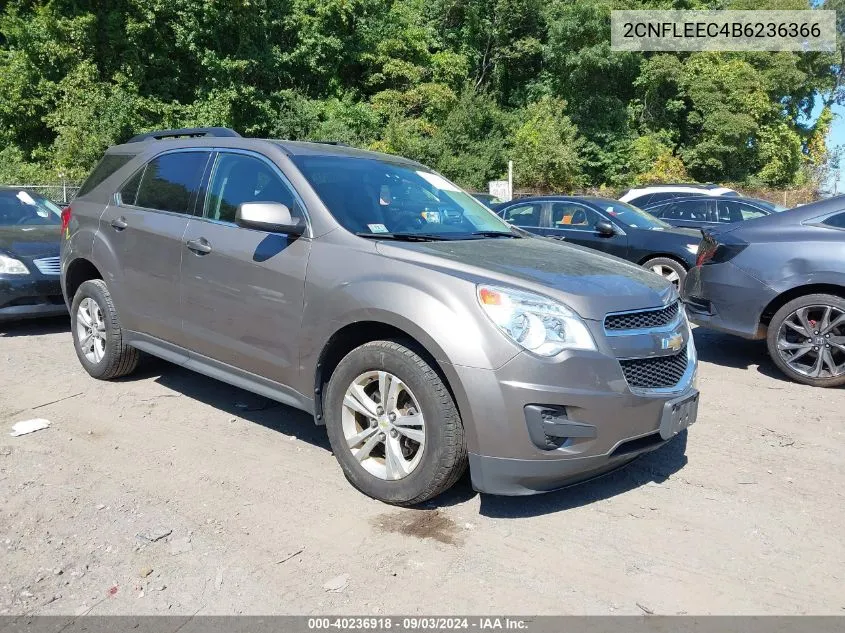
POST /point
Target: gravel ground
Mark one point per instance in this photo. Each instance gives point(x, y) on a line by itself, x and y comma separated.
point(169, 492)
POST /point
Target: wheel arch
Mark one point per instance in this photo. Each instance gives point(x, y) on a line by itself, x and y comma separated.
point(78, 272)
point(353, 335)
point(794, 293)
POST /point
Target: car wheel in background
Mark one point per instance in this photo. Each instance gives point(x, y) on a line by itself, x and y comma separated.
point(393, 425)
point(97, 335)
point(806, 340)
point(668, 268)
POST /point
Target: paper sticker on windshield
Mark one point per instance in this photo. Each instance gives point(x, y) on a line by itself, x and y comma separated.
point(24, 197)
point(438, 181)
point(377, 228)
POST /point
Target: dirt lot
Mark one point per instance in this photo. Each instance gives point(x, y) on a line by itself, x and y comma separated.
point(745, 515)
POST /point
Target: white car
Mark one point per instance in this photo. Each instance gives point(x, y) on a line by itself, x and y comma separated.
point(644, 196)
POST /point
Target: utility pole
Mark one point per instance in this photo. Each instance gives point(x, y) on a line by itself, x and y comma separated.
point(510, 180)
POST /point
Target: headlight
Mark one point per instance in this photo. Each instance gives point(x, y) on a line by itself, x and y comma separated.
point(539, 324)
point(692, 248)
point(12, 266)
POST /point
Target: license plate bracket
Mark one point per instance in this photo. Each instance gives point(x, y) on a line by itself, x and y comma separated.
point(678, 415)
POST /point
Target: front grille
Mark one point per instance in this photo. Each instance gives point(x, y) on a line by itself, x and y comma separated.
point(48, 265)
point(642, 319)
point(655, 373)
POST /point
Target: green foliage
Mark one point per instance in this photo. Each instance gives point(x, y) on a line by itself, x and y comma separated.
point(546, 148)
point(461, 85)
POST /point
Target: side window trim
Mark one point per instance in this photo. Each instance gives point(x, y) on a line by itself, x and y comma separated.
point(184, 150)
point(202, 209)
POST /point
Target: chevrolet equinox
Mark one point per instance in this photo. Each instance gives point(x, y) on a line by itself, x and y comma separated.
point(366, 289)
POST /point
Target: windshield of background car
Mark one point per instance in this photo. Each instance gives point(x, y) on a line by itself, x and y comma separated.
point(631, 216)
point(19, 207)
point(372, 196)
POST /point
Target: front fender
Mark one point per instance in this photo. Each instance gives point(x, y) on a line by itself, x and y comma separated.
point(448, 323)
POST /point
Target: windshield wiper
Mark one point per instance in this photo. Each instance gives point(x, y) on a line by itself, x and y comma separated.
point(496, 234)
point(405, 237)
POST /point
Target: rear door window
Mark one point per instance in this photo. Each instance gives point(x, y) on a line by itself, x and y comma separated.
point(129, 192)
point(689, 210)
point(105, 168)
point(171, 182)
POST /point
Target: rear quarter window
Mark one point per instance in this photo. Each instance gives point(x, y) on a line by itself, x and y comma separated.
point(836, 221)
point(105, 168)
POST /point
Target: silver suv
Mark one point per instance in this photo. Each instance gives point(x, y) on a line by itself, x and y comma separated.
point(420, 328)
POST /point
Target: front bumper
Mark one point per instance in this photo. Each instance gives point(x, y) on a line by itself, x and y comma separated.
point(603, 424)
point(25, 296)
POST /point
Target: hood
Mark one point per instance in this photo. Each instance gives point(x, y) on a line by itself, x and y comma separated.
point(591, 283)
point(30, 241)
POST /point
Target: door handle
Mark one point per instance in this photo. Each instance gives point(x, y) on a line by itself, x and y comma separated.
point(118, 224)
point(199, 246)
point(557, 237)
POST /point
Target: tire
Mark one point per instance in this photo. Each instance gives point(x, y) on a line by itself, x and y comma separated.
point(781, 334)
point(113, 357)
point(659, 265)
point(442, 459)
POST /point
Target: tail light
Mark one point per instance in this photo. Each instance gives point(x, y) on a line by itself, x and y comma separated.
point(66, 215)
point(717, 251)
point(706, 249)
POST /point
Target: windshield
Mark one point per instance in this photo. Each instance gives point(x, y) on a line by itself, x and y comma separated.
point(20, 207)
point(631, 216)
point(374, 197)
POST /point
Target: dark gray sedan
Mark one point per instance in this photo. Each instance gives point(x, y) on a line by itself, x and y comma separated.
point(779, 278)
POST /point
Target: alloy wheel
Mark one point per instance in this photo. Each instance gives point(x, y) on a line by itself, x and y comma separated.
point(91, 330)
point(811, 341)
point(667, 273)
point(383, 425)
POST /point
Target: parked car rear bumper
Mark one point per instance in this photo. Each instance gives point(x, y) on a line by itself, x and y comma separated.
point(27, 297)
point(725, 297)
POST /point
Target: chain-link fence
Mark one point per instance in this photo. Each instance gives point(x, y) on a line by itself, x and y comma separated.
point(60, 194)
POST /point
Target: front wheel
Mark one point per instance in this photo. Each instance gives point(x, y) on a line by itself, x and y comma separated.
point(669, 269)
point(806, 340)
point(393, 425)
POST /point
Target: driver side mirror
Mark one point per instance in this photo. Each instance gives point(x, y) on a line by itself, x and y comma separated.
point(272, 217)
point(605, 228)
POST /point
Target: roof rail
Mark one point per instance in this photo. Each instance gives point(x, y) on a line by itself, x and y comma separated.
point(191, 132)
point(338, 143)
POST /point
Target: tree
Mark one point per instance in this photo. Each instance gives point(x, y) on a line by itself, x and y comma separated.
point(546, 148)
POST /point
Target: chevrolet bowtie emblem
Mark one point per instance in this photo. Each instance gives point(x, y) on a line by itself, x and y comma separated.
point(674, 342)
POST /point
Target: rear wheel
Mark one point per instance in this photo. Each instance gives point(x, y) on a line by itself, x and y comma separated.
point(97, 334)
point(806, 340)
point(393, 425)
point(669, 269)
